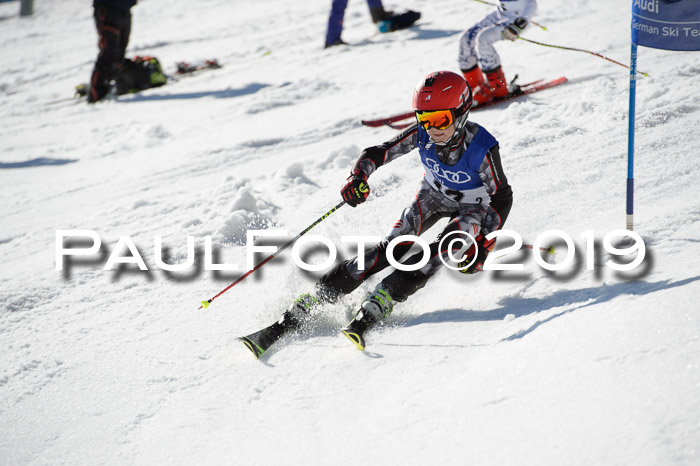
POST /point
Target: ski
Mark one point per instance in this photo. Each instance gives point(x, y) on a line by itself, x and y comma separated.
point(184, 67)
point(291, 320)
point(386, 121)
point(526, 89)
point(260, 341)
point(355, 332)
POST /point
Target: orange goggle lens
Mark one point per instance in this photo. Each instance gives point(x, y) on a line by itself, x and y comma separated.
point(439, 119)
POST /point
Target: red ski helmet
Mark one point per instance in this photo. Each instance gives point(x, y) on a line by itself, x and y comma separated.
point(443, 90)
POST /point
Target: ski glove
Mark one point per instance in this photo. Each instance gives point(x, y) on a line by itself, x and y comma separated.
point(484, 248)
point(513, 30)
point(355, 190)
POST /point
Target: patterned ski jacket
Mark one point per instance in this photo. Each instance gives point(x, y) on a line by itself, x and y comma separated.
point(471, 173)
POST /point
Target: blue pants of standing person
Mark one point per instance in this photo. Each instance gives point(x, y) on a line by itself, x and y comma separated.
point(335, 21)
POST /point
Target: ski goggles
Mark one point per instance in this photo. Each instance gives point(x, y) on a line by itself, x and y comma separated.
point(438, 119)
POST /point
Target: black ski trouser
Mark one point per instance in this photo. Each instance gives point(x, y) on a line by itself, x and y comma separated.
point(113, 28)
point(400, 284)
point(428, 207)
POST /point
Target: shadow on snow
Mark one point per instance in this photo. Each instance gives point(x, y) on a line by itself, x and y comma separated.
point(38, 162)
point(524, 306)
point(427, 34)
point(223, 94)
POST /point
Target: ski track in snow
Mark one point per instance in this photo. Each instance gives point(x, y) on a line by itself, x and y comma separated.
point(579, 367)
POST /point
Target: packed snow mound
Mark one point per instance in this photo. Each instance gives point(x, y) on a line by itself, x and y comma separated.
point(247, 212)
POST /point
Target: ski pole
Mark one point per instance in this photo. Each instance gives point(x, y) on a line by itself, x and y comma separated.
point(205, 304)
point(548, 249)
point(580, 50)
point(499, 4)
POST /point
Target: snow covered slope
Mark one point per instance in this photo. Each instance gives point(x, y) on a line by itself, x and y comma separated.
point(577, 368)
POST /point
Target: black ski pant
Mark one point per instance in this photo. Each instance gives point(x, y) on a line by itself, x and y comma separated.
point(113, 28)
point(428, 207)
point(400, 284)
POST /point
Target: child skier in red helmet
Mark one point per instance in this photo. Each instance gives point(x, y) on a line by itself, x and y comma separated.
point(464, 181)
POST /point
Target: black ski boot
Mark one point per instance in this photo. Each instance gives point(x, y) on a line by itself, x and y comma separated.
point(376, 307)
point(260, 341)
point(394, 22)
point(379, 14)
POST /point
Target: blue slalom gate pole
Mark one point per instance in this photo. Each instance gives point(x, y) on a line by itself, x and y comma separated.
point(630, 139)
point(667, 25)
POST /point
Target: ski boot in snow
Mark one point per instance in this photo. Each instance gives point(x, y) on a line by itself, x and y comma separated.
point(493, 87)
point(496, 81)
point(260, 341)
point(337, 42)
point(481, 93)
point(81, 90)
point(394, 22)
point(376, 307)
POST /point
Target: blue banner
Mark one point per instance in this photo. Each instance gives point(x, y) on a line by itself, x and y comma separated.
point(666, 24)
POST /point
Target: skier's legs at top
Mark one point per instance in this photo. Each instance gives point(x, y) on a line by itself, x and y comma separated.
point(335, 19)
point(478, 57)
point(474, 49)
point(335, 22)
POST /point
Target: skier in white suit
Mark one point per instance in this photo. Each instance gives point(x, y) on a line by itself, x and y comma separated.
point(478, 57)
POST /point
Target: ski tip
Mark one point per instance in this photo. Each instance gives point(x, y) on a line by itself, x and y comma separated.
point(356, 338)
point(81, 90)
point(255, 349)
point(399, 125)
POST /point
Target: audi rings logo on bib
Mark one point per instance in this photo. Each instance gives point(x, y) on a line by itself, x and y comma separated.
point(447, 175)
